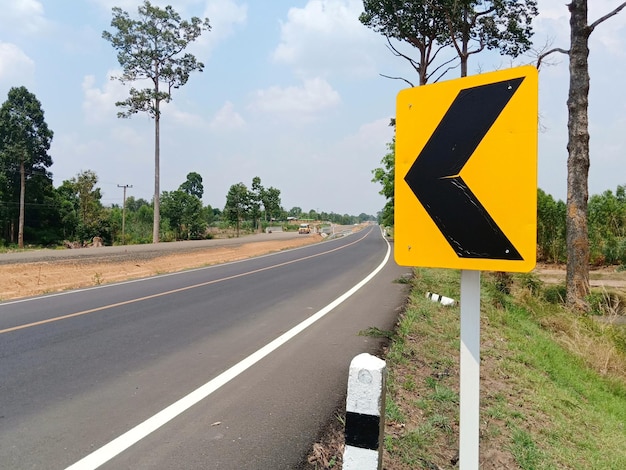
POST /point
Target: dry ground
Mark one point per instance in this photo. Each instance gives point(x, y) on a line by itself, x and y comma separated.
point(36, 278)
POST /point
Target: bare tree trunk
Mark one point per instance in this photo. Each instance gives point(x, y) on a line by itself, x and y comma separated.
point(20, 226)
point(577, 278)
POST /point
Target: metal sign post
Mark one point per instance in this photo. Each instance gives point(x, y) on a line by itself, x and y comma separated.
point(470, 370)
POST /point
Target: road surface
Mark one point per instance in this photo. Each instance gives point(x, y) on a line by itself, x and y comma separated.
point(210, 369)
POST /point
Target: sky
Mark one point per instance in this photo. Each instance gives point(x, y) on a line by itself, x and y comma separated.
point(292, 92)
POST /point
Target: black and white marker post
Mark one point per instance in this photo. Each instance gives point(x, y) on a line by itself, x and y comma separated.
point(365, 413)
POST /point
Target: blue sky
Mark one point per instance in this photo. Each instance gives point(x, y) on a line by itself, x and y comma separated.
point(291, 92)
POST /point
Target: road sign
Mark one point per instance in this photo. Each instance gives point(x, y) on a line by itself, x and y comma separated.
point(466, 173)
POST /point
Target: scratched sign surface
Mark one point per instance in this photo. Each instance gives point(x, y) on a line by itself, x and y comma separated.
point(466, 173)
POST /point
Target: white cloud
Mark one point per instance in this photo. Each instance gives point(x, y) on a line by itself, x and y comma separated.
point(325, 37)
point(223, 16)
point(23, 17)
point(99, 104)
point(314, 95)
point(227, 119)
point(16, 68)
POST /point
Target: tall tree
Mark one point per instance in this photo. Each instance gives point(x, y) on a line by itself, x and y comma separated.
point(24, 143)
point(577, 275)
point(237, 204)
point(256, 200)
point(151, 48)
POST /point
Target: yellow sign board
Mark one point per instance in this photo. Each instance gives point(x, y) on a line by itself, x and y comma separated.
point(466, 173)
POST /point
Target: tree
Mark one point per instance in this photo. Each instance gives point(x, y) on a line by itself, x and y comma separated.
point(295, 212)
point(477, 25)
point(151, 49)
point(237, 204)
point(24, 143)
point(271, 203)
point(185, 214)
point(420, 23)
point(256, 199)
point(83, 215)
point(577, 275)
point(193, 185)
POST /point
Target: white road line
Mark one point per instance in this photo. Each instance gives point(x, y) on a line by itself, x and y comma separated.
point(131, 437)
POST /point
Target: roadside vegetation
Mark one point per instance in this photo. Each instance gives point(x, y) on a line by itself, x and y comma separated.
point(553, 384)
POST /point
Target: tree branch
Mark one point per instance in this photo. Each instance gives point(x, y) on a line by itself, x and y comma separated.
point(551, 51)
point(606, 17)
point(398, 78)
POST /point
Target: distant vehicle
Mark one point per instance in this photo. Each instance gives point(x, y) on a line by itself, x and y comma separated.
point(304, 228)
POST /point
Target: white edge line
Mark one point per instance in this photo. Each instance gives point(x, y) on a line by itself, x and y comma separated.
point(134, 435)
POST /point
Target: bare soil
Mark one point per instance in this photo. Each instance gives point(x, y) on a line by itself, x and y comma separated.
point(602, 277)
point(19, 280)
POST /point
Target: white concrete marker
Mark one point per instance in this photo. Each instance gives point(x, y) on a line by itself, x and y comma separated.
point(365, 413)
point(440, 298)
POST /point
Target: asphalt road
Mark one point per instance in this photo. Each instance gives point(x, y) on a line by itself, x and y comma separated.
point(80, 370)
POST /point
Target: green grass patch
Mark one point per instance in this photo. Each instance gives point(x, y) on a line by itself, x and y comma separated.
point(553, 384)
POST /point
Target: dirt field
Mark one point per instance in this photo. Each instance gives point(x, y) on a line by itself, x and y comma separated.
point(19, 280)
point(604, 277)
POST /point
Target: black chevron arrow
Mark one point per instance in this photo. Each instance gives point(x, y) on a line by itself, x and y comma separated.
point(434, 177)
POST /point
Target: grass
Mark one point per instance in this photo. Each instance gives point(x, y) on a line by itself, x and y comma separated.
point(553, 384)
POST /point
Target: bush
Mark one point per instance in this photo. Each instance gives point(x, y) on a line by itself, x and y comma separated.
point(555, 294)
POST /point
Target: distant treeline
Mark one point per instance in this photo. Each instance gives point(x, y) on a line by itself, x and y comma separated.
point(74, 214)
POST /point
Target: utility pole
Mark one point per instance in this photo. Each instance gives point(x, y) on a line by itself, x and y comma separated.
point(125, 186)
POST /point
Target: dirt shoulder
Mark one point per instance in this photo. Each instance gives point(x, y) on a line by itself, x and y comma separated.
point(603, 277)
point(43, 272)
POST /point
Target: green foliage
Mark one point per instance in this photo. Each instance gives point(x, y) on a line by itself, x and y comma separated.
point(82, 214)
point(555, 294)
point(150, 48)
point(193, 185)
point(183, 214)
point(503, 25)
point(551, 241)
point(607, 227)
point(385, 175)
point(24, 143)
point(237, 206)
point(422, 24)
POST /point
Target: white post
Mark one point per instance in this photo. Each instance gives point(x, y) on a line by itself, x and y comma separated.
point(470, 371)
point(365, 413)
